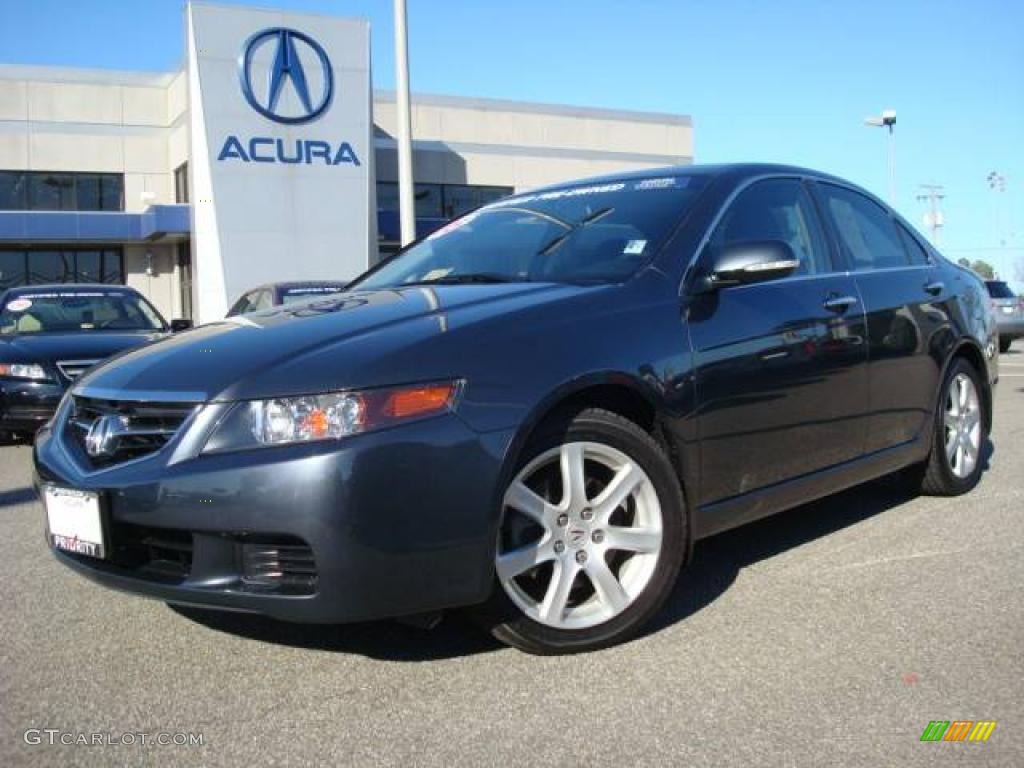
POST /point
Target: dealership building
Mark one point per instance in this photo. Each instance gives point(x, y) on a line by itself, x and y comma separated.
point(267, 157)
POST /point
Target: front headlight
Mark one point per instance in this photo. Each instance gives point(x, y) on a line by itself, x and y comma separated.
point(331, 416)
point(23, 371)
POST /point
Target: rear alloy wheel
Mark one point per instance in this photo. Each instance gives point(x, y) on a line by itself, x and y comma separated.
point(591, 538)
point(955, 464)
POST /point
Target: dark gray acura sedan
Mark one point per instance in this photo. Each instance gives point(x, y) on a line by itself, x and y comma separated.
point(534, 412)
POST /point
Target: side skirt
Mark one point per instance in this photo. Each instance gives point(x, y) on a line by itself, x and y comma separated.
point(730, 513)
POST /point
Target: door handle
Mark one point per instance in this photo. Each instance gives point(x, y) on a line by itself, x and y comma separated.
point(839, 304)
point(934, 287)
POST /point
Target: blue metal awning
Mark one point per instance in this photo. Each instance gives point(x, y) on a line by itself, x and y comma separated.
point(156, 222)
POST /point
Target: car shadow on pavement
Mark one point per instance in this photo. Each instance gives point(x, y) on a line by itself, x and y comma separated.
point(716, 563)
point(17, 496)
point(384, 640)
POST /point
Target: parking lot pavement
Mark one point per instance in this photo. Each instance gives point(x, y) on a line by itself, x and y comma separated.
point(828, 635)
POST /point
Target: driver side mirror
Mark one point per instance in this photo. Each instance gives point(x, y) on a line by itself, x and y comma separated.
point(180, 324)
point(749, 262)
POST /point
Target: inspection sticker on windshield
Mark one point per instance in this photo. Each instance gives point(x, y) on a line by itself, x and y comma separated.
point(634, 247)
point(18, 305)
point(436, 274)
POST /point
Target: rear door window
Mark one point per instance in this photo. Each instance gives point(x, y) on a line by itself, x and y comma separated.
point(915, 251)
point(866, 231)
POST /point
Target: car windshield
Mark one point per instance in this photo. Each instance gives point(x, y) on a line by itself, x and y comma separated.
point(305, 293)
point(592, 233)
point(68, 311)
point(999, 290)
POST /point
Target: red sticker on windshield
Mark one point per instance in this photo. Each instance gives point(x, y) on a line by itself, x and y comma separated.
point(18, 305)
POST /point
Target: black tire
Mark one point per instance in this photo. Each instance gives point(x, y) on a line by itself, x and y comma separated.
point(935, 476)
point(513, 627)
point(1004, 344)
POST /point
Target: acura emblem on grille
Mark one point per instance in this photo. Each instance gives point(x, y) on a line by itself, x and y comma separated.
point(102, 437)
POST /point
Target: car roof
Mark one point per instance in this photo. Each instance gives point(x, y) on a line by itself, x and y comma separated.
point(737, 171)
point(69, 288)
point(307, 284)
point(295, 284)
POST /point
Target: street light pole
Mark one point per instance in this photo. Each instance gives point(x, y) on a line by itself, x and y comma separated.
point(888, 120)
point(406, 199)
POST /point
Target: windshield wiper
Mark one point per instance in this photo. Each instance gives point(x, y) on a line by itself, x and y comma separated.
point(561, 238)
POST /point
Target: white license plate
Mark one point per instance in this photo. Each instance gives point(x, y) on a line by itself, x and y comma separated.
point(1008, 310)
point(73, 520)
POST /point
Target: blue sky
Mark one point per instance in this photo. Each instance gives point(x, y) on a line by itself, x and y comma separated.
point(789, 80)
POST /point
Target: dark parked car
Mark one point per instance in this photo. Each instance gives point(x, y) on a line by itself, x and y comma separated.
point(1009, 309)
point(536, 410)
point(50, 334)
point(278, 294)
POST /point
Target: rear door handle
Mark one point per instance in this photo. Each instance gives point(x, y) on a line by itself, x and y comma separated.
point(934, 288)
point(839, 304)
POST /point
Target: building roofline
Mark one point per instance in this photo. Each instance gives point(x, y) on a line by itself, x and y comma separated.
point(535, 107)
point(100, 76)
point(93, 75)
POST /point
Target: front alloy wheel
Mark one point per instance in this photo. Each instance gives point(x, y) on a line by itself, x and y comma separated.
point(582, 535)
point(591, 539)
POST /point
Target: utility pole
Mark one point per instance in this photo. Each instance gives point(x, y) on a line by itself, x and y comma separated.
point(933, 195)
point(997, 183)
point(406, 199)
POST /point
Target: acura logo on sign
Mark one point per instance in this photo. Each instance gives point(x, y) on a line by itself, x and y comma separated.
point(287, 68)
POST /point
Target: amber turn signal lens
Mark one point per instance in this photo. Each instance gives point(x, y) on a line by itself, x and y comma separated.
point(318, 424)
point(419, 401)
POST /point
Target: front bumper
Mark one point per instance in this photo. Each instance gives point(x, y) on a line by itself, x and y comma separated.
point(26, 405)
point(397, 522)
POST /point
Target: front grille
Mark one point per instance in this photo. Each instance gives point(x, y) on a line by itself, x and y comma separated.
point(72, 369)
point(135, 429)
point(282, 565)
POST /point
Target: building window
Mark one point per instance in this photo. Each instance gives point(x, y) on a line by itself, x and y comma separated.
point(462, 198)
point(61, 265)
point(440, 201)
point(13, 191)
point(427, 197)
point(44, 191)
point(181, 183)
point(51, 192)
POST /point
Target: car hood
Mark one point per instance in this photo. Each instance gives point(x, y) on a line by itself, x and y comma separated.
point(83, 345)
point(352, 340)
